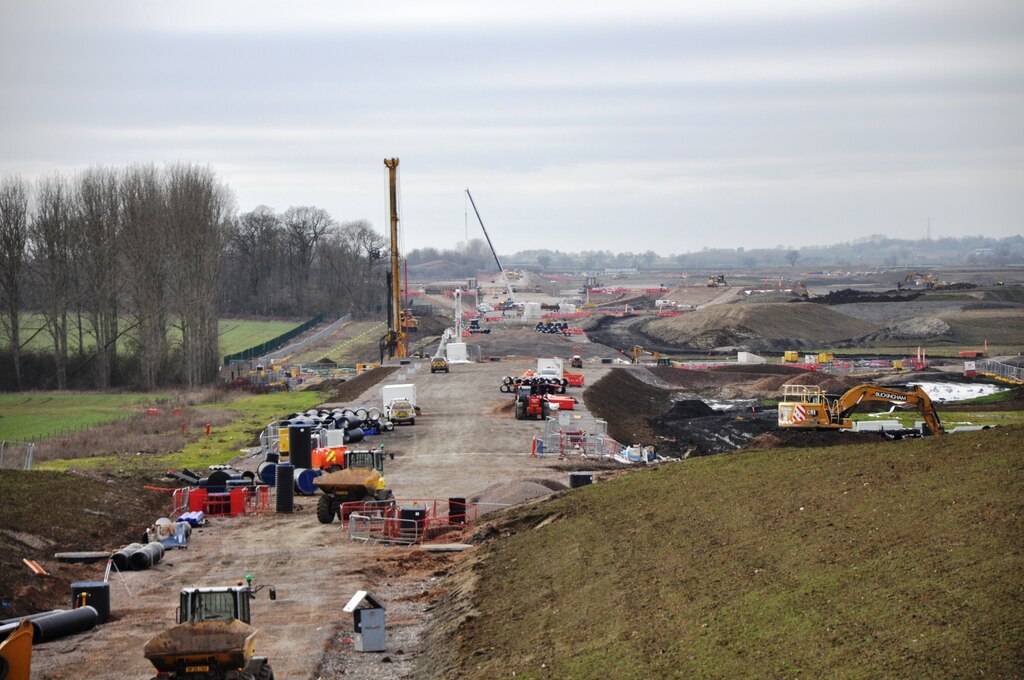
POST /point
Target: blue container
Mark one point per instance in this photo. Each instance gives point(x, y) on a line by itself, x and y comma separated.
point(267, 472)
point(304, 481)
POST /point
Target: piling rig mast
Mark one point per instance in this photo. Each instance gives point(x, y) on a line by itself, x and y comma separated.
point(394, 341)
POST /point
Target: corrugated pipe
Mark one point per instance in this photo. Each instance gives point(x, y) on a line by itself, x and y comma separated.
point(122, 558)
point(68, 622)
point(145, 557)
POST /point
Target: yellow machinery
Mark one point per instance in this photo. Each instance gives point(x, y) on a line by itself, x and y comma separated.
point(791, 355)
point(808, 407)
point(925, 280)
point(716, 280)
point(658, 358)
point(410, 323)
point(361, 479)
point(800, 290)
point(213, 639)
point(394, 341)
point(16, 654)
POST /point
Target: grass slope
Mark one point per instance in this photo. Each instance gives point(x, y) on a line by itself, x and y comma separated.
point(898, 560)
point(246, 416)
point(32, 415)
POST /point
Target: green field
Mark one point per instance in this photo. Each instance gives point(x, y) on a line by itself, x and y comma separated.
point(235, 334)
point(34, 415)
point(251, 414)
point(868, 561)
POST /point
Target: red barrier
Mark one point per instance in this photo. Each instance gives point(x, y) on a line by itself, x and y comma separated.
point(240, 501)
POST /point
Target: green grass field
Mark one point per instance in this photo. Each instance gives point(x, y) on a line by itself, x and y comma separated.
point(251, 414)
point(893, 560)
point(235, 334)
point(33, 415)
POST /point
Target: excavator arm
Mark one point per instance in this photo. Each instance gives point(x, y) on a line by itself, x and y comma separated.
point(843, 405)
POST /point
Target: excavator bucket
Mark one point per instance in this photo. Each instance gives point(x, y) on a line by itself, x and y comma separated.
point(16, 654)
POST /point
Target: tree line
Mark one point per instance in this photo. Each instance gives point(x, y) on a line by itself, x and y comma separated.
point(132, 267)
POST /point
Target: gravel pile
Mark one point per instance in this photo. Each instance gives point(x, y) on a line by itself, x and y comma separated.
point(500, 496)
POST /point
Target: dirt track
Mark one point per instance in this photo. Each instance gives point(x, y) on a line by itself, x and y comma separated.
point(462, 442)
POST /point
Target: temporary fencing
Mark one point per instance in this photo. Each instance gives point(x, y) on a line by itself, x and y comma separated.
point(571, 435)
point(1001, 371)
point(16, 455)
point(408, 521)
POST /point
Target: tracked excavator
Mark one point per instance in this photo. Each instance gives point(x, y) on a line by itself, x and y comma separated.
point(914, 278)
point(808, 407)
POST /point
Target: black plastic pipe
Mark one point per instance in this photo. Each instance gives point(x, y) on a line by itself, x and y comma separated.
point(68, 622)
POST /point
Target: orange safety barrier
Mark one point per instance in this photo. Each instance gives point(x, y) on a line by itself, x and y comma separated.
point(238, 501)
point(440, 518)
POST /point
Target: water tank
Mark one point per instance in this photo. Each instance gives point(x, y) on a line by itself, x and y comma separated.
point(300, 445)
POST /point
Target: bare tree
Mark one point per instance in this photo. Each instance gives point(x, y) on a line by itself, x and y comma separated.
point(13, 249)
point(96, 242)
point(51, 254)
point(144, 247)
point(792, 257)
point(199, 210)
point(304, 226)
point(254, 241)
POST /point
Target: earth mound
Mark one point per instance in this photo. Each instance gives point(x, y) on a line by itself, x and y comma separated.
point(759, 327)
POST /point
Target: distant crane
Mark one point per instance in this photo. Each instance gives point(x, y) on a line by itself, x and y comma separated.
point(508, 286)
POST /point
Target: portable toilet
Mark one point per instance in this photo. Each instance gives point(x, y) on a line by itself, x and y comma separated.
point(367, 622)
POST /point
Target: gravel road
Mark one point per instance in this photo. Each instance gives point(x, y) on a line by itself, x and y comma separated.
point(462, 442)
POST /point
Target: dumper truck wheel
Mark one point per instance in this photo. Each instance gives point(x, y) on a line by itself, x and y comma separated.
point(325, 509)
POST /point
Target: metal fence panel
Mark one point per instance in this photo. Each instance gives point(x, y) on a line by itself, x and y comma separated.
point(16, 455)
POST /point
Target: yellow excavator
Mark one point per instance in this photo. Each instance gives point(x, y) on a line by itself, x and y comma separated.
point(914, 278)
point(808, 407)
point(16, 654)
point(800, 290)
point(213, 639)
point(658, 358)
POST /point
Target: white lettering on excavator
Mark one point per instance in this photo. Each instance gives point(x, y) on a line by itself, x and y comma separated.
point(890, 396)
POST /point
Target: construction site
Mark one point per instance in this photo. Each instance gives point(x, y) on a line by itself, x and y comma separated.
point(487, 481)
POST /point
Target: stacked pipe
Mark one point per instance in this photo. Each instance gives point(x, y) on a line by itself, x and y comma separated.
point(537, 385)
point(552, 327)
point(138, 557)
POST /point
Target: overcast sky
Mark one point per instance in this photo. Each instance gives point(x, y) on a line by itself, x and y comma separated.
point(576, 125)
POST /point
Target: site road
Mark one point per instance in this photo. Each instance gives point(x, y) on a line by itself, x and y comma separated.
point(462, 442)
